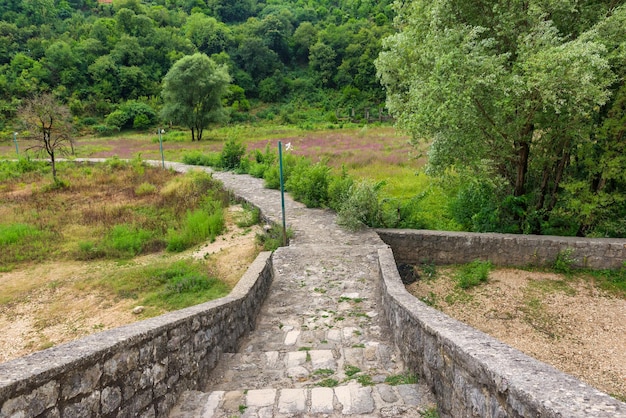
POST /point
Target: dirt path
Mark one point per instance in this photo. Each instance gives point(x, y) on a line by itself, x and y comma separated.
point(54, 305)
point(568, 323)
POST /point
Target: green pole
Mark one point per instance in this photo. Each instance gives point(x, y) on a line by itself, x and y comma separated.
point(161, 147)
point(17, 151)
point(282, 189)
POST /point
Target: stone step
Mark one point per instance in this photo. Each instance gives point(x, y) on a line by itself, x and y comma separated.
point(379, 400)
point(372, 362)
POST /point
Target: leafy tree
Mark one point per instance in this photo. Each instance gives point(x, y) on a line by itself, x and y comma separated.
point(322, 60)
point(192, 92)
point(207, 34)
point(499, 89)
point(48, 124)
point(303, 38)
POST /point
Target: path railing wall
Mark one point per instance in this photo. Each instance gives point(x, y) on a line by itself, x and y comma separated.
point(475, 375)
point(471, 373)
point(440, 247)
point(138, 369)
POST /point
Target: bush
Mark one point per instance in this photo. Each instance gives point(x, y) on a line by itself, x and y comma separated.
point(339, 190)
point(362, 206)
point(309, 183)
point(198, 158)
point(231, 154)
point(141, 122)
point(105, 130)
point(130, 112)
point(473, 274)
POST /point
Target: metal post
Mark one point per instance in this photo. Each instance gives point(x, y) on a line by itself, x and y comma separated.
point(17, 151)
point(161, 131)
point(282, 189)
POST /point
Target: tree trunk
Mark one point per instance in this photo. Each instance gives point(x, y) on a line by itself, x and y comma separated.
point(560, 169)
point(523, 152)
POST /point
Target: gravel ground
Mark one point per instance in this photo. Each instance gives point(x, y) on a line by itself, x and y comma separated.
point(568, 323)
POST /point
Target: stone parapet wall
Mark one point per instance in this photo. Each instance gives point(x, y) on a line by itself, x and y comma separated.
point(439, 247)
point(475, 375)
point(138, 369)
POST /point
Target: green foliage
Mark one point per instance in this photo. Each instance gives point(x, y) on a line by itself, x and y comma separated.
point(192, 93)
point(557, 82)
point(23, 242)
point(125, 241)
point(362, 207)
point(273, 238)
point(328, 383)
point(564, 260)
point(430, 413)
point(309, 183)
point(199, 225)
point(614, 281)
point(16, 169)
point(473, 274)
point(132, 114)
point(248, 217)
point(168, 286)
point(145, 189)
point(231, 155)
point(199, 158)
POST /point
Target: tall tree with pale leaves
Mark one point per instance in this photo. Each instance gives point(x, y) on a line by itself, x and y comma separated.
point(192, 93)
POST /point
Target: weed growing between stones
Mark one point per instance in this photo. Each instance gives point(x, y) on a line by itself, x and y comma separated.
point(328, 383)
point(430, 413)
point(401, 379)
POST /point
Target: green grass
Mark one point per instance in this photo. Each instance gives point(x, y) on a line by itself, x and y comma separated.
point(328, 383)
point(166, 286)
point(473, 274)
point(24, 242)
point(401, 379)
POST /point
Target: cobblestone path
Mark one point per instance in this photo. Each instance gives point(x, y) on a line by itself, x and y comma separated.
point(320, 347)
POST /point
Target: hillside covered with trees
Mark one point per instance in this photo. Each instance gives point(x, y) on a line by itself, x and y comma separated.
point(101, 58)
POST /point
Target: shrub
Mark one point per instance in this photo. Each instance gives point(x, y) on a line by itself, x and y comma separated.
point(105, 130)
point(339, 190)
point(131, 113)
point(231, 154)
point(198, 158)
point(362, 206)
point(309, 183)
point(473, 274)
point(141, 122)
point(273, 238)
point(564, 260)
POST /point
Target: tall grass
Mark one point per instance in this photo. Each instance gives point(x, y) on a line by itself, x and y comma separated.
point(165, 286)
point(114, 210)
point(23, 242)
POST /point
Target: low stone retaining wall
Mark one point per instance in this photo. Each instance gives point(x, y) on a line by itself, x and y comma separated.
point(416, 246)
point(138, 369)
point(475, 375)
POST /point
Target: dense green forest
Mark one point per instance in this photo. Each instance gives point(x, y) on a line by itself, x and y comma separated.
point(99, 58)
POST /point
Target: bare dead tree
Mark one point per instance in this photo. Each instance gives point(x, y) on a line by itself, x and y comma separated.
point(48, 125)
